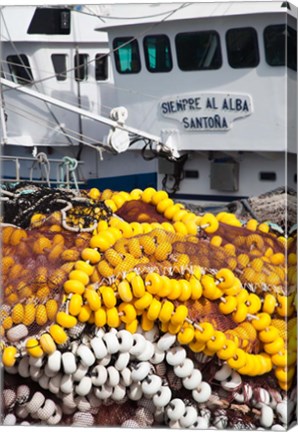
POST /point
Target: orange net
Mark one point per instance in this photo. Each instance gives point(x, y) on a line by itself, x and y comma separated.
point(138, 211)
point(138, 261)
point(35, 264)
point(258, 258)
point(36, 261)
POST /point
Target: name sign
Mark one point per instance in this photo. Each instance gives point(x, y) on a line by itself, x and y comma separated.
point(207, 111)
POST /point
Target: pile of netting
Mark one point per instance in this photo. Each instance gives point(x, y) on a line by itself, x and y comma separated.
point(271, 206)
point(130, 300)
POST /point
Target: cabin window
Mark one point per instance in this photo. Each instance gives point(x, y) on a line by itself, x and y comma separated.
point(242, 47)
point(191, 174)
point(20, 69)
point(198, 51)
point(127, 56)
point(59, 64)
point(276, 46)
point(50, 21)
point(101, 67)
point(267, 176)
point(158, 53)
point(81, 67)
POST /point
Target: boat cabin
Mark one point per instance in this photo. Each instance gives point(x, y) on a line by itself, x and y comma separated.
point(219, 80)
point(215, 75)
point(53, 51)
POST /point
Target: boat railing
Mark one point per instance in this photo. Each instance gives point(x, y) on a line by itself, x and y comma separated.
point(61, 173)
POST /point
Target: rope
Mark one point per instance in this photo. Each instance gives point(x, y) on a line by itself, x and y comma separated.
point(43, 162)
point(69, 165)
point(27, 201)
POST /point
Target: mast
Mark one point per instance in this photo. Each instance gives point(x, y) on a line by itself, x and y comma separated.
point(118, 137)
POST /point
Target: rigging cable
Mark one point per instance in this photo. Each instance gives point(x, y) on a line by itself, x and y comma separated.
point(34, 83)
point(132, 39)
point(178, 175)
point(99, 147)
point(154, 25)
point(79, 66)
point(148, 29)
point(107, 17)
point(49, 125)
point(69, 100)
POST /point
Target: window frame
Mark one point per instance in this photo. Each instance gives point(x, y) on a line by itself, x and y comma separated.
point(23, 65)
point(82, 66)
point(256, 46)
point(129, 40)
point(104, 56)
point(146, 53)
point(198, 32)
point(286, 62)
point(50, 21)
point(60, 76)
point(269, 176)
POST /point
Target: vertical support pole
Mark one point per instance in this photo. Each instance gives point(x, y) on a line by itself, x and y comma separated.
point(2, 112)
point(80, 68)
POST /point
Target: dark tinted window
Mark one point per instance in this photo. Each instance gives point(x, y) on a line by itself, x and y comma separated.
point(291, 48)
point(242, 47)
point(50, 21)
point(278, 39)
point(127, 56)
point(101, 67)
point(59, 64)
point(157, 53)
point(198, 51)
point(267, 176)
point(19, 68)
point(81, 67)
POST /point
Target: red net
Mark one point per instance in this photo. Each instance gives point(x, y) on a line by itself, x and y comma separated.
point(35, 265)
point(36, 262)
point(138, 211)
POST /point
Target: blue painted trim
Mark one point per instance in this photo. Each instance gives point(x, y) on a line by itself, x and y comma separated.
point(197, 197)
point(25, 179)
point(124, 183)
point(142, 181)
point(120, 183)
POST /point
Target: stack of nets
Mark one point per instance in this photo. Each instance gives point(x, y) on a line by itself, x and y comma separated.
point(130, 300)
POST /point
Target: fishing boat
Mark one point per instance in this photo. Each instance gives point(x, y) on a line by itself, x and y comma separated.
point(57, 53)
point(208, 90)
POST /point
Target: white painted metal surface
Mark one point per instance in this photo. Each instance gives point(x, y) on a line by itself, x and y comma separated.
point(49, 126)
point(253, 111)
point(118, 132)
point(215, 123)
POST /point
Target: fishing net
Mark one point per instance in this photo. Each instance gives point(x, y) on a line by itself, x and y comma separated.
point(274, 205)
point(79, 269)
point(35, 265)
point(26, 199)
point(271, 206)
point(234, 247)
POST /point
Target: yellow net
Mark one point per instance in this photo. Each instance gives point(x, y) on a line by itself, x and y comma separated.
point(224, 287)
